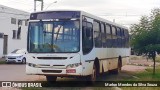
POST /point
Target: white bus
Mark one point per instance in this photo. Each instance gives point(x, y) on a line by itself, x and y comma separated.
point(68, 43)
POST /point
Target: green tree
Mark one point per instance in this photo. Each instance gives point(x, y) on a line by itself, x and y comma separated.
point(145, 36)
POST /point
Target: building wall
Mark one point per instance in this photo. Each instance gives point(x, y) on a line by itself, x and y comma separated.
point(1, 47)
point(7, 27)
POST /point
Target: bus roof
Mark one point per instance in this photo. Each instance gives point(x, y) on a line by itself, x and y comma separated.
point(88, 15)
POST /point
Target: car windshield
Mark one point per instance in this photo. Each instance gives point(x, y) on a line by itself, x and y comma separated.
point(17, 51)
point(53, 36)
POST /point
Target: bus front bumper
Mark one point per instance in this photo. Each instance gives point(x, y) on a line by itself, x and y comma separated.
point(76, 71)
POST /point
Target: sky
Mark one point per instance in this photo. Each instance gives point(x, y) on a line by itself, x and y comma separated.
point(124, 12)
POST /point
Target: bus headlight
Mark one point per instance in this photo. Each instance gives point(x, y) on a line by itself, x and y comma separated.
point(73, 65)
point(32, 65)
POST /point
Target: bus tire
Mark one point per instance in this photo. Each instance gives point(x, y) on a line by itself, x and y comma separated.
point(118, 69)
point(95, 73)
point(93, 76)
point(51, 78)
point(119, 66)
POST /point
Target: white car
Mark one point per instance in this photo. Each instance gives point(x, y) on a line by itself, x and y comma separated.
point(16, 56)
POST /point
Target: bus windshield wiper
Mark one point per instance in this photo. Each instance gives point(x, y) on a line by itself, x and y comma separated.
point(58, 32)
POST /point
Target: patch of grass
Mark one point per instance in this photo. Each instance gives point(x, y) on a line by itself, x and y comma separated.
point(158, 59)
point(2, 62)
point(134, 57)
point(146, 75)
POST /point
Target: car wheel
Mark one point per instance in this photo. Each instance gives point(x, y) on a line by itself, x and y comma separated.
point(24, 61)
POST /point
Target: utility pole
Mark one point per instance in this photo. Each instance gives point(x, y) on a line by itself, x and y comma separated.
point(34, 5)
point(42, 4)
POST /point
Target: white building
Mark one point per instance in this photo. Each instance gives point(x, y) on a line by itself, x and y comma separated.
point(13, 29)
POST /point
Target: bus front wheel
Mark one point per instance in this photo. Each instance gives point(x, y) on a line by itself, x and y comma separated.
point(94, 74)
point(93, 77)
point(51, 78)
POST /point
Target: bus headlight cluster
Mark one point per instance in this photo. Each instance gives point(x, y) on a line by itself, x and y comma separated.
point(32, 65)
point(73, 65)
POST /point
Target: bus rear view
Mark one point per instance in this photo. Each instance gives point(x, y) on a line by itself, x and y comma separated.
point(54, 44)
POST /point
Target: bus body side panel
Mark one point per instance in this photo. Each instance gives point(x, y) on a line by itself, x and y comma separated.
point(108, 59)
point(88, 61)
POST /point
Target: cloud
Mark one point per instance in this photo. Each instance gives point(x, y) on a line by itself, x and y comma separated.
point(124, 11)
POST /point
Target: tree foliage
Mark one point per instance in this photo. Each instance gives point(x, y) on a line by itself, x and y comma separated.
point(145, 36)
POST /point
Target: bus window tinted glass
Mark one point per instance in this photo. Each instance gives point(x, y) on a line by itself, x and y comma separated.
point(97, 34)
point(114, 36)
point(108, 36)
point(103, 33)
point(87, 37)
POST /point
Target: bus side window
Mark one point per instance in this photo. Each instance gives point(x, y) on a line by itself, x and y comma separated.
point(119, 38)
point(108, 36)
point(126, 38)
point(103, 33)
point(114, 36)
point(123, 37)
point(87, 37)
point(97, 34)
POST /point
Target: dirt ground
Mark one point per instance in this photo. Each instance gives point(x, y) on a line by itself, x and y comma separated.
point(139, 63)
point(133, 68)
point(133, 65)
point(19, 74)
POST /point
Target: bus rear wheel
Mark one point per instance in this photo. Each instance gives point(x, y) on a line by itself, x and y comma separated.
point(51, 78)
point(118, 69)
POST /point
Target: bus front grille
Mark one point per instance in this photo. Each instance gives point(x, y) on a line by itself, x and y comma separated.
point(52, 71)
point(61, 58)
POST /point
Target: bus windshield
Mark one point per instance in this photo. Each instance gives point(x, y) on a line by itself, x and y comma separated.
point(54, 36)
